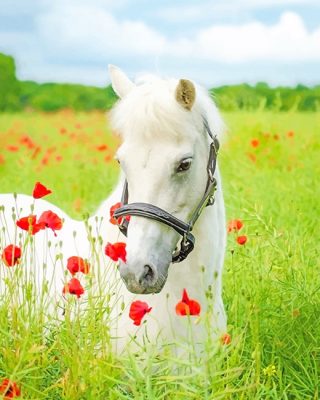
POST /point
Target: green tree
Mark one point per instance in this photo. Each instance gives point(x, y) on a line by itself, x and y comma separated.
point(9, 85)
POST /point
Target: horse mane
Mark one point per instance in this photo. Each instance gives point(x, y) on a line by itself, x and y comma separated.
point(151, 110)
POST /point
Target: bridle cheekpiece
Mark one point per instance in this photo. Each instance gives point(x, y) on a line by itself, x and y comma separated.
point(150, 211)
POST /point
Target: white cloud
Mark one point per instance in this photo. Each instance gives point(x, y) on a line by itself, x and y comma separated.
point(221, 9)
point(286, 41)
point(92, 33)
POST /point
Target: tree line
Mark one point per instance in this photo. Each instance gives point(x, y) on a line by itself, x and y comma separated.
point(16, 95)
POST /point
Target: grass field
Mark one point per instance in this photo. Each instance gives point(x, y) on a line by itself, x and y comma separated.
point(270, 167)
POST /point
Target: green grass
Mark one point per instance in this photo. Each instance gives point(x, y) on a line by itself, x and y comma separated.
point(271, 285)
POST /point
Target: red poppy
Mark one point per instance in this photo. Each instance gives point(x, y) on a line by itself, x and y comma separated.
point(11, 255)
point(234, 225)
point(9, 390)
point(63, 131)
point(51, 150)
point(27, 141)
point(116, 250)
point(30, 224)
point(77, 264)
point(255, 142)
point(45, 160)
point(187, 306)
point(107, 159)
point(73, 287)
point(102, 147)
point(40, 191)
point(226, 339)
point(12, 148)
point(276, 136)
point(113, 220)
point(290, 134)
point(51, 220)
point(138, 310)
point(2, 159)
point(242, 239)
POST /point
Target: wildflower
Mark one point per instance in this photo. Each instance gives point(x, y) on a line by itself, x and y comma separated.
point(40, 191)
point(35, 153)
point(12, 148)
point(187, 306)
point(234, 225)
point(255, 142)
point(242, 240)
point(116, 250)
point(102, 147)
point(138, 310)
point(30, 224)
point(11, 255)
point(296, 313)
point(45, 160)
point(270, 370)
point(290, 134)
point(113, 220)
point(27, 141)
point(51, 220)
point(226, 339)
point(77, 264)
point(9, 390)
point(252, 157)
point(63, 131)
point(73, 287)
point(276, 136)
point(77, 204)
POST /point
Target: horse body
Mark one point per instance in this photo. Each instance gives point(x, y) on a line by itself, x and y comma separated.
point(148, 155)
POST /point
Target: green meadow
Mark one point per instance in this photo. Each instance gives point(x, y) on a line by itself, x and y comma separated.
point(270, 167)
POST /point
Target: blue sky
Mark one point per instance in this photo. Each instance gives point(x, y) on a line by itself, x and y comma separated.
point(213, 42)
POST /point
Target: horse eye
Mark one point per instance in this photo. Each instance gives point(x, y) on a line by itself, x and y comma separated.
point(184, 165)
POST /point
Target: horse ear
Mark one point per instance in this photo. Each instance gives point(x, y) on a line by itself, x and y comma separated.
point(121, 84)
point(186, 93)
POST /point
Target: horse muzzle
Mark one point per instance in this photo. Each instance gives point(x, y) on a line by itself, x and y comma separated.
point(143, 278)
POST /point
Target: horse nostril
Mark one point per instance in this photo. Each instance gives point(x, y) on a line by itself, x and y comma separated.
point(147, 275)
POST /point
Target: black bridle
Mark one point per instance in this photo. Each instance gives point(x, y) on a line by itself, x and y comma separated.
point(147, 210)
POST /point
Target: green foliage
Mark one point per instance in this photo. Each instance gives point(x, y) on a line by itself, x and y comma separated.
point(261, 96)
point(54, 96)
point(17, 95)
point(9, 86)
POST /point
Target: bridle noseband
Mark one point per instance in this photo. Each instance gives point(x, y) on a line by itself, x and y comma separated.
point(150, 211)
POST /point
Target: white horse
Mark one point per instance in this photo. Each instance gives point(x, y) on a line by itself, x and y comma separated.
point(163, 157)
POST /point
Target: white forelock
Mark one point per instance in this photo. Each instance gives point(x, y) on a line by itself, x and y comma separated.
point(151, 110)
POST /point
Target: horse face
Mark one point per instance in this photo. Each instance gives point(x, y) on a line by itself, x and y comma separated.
point(163, 157)
point(169, 175)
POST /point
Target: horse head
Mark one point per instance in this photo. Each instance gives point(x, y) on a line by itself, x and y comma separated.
point(164, 159)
